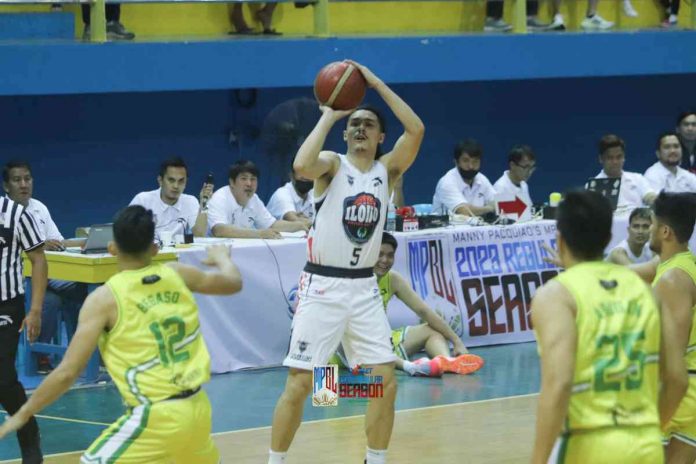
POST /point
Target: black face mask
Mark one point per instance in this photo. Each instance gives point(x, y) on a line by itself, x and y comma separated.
point(467, 174)
point(303, 186)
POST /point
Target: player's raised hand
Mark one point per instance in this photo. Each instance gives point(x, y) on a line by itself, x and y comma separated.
point(553, 257)
point(335, 115)
point(216, 254)
point(371, 78)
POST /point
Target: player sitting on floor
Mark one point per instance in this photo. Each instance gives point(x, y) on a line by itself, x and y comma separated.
point(433, 336)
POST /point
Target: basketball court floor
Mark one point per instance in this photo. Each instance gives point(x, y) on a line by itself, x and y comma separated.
point(487, 417)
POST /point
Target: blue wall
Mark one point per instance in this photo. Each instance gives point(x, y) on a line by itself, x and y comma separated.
point(68, 67)
point(92, 153)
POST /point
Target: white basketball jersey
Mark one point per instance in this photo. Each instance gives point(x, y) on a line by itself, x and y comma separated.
point(645, 255)
point(349, 218)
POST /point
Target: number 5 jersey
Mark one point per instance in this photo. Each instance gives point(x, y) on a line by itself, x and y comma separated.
point(350, 217)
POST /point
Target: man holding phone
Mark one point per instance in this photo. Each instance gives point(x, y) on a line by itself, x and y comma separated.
point(174, 211)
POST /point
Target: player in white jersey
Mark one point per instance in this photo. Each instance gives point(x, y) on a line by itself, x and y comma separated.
point(339, 301)
point(635, 249)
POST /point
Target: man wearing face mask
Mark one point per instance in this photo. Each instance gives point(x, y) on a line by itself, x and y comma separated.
point(666, 174)
point(294, 201)
point(513, 182)
point(463, 189)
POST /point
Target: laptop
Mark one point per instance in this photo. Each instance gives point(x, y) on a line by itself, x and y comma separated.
point(99, 236)
point(608, 187)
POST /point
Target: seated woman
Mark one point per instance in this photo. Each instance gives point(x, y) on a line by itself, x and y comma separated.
point(433, 336)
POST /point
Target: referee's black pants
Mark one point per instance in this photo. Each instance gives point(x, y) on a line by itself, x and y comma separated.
point(12, 395)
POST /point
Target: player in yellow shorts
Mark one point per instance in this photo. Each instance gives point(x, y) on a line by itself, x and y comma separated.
point(145, 321)
point(434, 335)
point(602, 351)
point(674, 280)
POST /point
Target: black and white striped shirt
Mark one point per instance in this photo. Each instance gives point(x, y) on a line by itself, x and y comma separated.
point(18, 232)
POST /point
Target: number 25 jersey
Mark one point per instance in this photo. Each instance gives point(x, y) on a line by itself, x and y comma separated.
point(618, 344)
point(155, 350)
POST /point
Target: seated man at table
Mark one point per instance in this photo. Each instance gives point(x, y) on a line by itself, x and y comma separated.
point(175, 211)
point(635, 190)
point(463, 189)
point(634, 249)
point(237, 212)
point(666, 174)
point(294, 201)
point(62, 297)
point(433, 336)
point(513, 182)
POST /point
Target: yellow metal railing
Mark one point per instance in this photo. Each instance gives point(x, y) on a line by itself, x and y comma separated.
point(97, 19)
point(321, 16)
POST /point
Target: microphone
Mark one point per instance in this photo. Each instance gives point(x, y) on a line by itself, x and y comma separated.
point(209, 180)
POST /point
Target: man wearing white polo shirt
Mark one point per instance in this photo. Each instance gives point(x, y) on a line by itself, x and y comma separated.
point(513, 182)
point(635, 190)
point(294, 201)
point(463, 189)
point(173, 210)
point(237, 212)
point(666, 174)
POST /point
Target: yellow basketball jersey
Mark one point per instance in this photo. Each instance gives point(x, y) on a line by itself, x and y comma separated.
point(155, 350)
point(385, 288)
point(616, 362)
point(686, 261)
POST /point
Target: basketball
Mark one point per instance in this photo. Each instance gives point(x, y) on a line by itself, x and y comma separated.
point(340, 85)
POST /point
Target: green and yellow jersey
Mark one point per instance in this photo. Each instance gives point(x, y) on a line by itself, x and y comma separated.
point(155, 350)
point(618, 343)
point(686, 261)
point(385, 288)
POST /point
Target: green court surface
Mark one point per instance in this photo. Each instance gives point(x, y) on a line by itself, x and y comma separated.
point(245, 400)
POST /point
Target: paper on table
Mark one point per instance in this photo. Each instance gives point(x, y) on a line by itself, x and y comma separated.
point(299, 234)
point(211, 240)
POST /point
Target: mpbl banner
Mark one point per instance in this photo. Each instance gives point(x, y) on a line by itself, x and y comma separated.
point(498, 270)
point(482, 280)
point(430, 271)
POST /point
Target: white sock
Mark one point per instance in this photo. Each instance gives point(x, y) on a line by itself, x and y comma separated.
point(376, 456)
point(558, 17)
point(409, 368)
point(672, 18)
point(275, 457)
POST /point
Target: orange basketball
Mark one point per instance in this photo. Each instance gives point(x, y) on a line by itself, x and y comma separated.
point(340, 85)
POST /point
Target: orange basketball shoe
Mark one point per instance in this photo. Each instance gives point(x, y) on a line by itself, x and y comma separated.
point(462, 364)
point(427, 368)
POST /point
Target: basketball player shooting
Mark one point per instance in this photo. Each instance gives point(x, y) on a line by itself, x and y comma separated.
point(339, 301)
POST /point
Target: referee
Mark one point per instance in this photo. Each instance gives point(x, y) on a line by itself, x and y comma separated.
point(19, 232)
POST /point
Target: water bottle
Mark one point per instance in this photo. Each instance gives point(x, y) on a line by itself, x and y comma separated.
point(188, 233)
point(391, 218)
